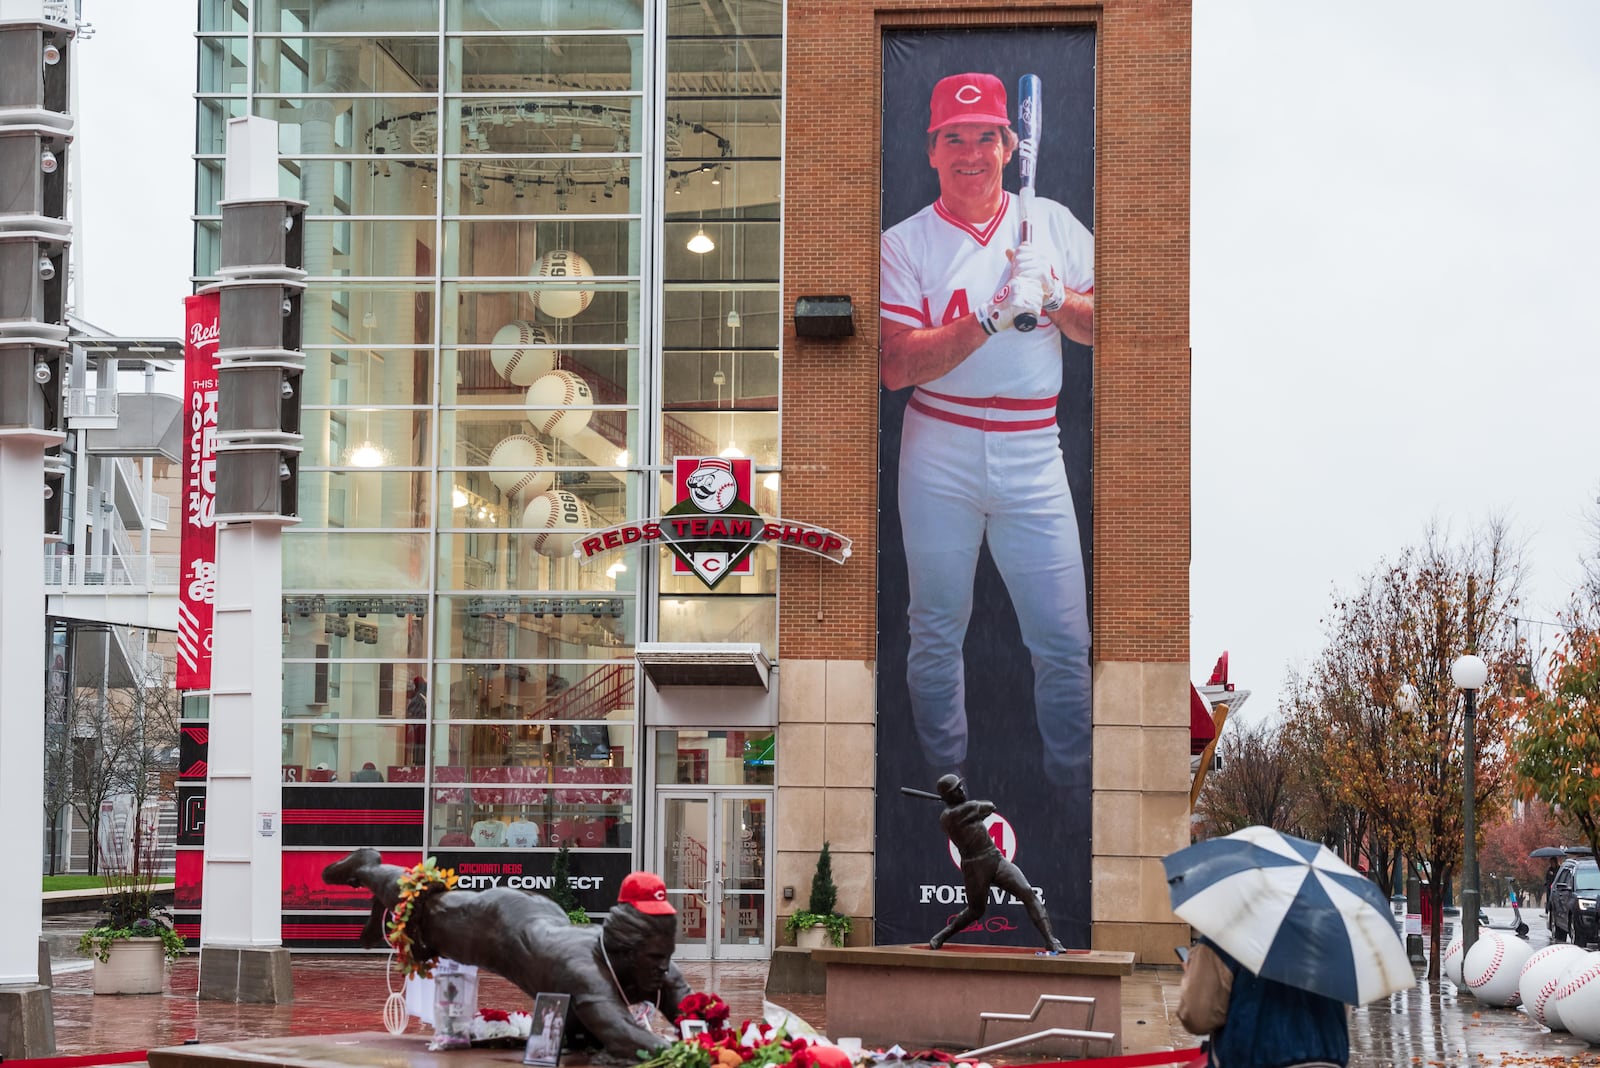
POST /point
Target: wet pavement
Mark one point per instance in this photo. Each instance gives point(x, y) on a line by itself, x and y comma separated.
point(1427, 1027)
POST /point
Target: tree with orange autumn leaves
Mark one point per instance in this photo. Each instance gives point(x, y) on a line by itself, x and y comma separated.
point(1379, 706)
point(1558, 746)
point(1509, 843)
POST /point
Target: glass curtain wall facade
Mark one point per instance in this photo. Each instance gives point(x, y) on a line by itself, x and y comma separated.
point(543, 248)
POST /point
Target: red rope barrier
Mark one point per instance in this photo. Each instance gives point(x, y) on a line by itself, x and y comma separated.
point(130, 1056)
point(1186, 1057)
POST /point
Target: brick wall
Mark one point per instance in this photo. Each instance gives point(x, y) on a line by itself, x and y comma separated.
point(830, 402)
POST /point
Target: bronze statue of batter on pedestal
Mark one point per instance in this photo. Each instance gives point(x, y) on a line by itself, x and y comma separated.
point(982, 865)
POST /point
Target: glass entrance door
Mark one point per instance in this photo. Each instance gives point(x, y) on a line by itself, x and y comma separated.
point(712, 852)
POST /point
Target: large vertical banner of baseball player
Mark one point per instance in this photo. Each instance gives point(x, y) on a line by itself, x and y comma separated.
point(197, 544)
point(986, 321)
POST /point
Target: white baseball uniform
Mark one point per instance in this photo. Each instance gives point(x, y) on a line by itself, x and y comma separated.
point(980, 456)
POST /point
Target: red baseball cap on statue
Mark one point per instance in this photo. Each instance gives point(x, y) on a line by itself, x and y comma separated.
point(968, 98)
point(645, 891)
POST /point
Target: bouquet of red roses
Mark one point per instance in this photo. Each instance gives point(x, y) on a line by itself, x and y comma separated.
point(753, 1044)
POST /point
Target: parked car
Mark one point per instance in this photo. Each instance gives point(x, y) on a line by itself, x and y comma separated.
point(1575, 902)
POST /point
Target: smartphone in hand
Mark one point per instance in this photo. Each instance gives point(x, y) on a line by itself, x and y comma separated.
point(1182, 952)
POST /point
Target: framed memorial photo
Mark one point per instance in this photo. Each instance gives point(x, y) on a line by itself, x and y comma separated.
point(547, 1031)
point(687, 1029)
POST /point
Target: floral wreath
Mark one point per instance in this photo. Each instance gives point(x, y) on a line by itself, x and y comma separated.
point(415, 885)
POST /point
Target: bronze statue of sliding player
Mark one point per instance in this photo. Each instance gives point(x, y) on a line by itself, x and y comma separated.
point(618, 974)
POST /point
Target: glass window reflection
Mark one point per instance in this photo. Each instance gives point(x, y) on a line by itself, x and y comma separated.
point(716, 758)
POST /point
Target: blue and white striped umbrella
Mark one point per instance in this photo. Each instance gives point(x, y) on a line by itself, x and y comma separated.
point(1291, 911)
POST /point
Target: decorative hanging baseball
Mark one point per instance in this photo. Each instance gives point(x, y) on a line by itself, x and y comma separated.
point(519, 451)
point(523, 351)
point(560, 519)
point(562, 301)
point(559, 404)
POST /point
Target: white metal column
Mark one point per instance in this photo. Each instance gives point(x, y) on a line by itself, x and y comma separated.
point(244, 838)
point(241, 923)
point(22, 666)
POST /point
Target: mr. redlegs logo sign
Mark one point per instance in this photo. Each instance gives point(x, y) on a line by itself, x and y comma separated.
point(713, 528)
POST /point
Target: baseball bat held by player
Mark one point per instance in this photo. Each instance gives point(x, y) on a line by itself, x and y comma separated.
point(1029, 128)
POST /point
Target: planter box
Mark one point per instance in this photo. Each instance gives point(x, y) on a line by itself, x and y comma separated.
point(812, 937)
point(137, 966)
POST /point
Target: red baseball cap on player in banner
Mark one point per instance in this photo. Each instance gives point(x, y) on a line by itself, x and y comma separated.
point(968, 98)
point(645, 891)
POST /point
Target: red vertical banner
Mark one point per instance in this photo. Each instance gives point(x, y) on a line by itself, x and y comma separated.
point(197, 582)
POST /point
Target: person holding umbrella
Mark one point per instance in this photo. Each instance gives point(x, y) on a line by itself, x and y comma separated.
point(1291, 936)
point(1556, 855)
point(1256, 1021)
point(1549, 881)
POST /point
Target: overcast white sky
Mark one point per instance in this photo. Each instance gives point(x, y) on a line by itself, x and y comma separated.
point(1396, 283)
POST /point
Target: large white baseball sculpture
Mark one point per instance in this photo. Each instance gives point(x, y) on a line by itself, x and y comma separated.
point(1452, 961)
point(1541, 977)
point(560, 516)
point(562, 302)
point(519, 451)
point(531, 352)
point(1493, 967)
point(1577, 998)
point(559, 404)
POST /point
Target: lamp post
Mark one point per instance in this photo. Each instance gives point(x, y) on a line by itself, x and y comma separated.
point(1469, 673)
point(1406, 702)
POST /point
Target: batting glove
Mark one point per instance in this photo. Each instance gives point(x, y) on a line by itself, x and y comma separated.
point(1014, 297)
point(1036, 262)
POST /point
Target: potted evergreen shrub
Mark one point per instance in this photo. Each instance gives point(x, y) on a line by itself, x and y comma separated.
point(561, 886)
point(819, 924)
point(134, 942)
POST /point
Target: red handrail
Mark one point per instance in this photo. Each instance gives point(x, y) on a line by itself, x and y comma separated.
point(594, 697)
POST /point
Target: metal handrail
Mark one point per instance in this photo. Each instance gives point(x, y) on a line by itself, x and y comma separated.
point(119, 533)
point(598, 694)
point(1043, 1000)
point(155, 573)
point(1053, 1032)
point(91, 402)
point(133, 474)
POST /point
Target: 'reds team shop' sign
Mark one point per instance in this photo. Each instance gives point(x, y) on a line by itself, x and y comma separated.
point(713, 528)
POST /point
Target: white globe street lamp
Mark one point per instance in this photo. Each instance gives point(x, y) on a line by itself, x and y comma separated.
point(1469, 673)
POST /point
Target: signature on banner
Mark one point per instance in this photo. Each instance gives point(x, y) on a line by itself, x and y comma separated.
point(991, 924)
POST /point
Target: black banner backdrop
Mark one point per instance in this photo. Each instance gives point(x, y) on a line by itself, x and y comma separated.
point(918, 885)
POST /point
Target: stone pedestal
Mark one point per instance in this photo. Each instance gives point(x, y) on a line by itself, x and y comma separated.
point(792, 971)
point(27, 1022)
point(254, 974)
point(920, 997)
point(362, 1049)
